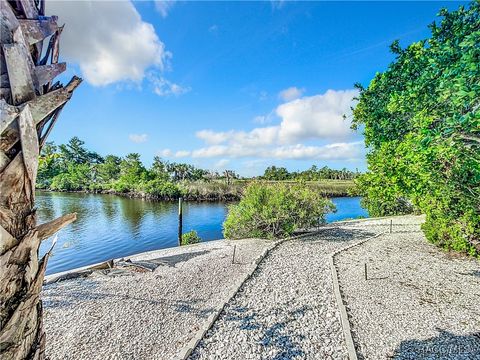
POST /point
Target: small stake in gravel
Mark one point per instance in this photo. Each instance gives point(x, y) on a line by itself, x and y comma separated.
point(233, 257)
point(180, 221)
point(391, 224)
point(366, 277)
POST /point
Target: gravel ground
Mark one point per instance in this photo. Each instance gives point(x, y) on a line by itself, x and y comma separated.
point(419, 302)
point(135, 314)
point(287, 309)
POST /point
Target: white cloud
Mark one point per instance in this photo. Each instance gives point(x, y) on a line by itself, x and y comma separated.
point(213, 28)
point(164, 7)
point(335, 151)
point(213, 137)
point(138, 138)
point(164, 87)
point(109, 40)
point(316, 117)
point(221, 164)
point(256, 137)
point(165, 153)
point(291, 93)
point(182, 153)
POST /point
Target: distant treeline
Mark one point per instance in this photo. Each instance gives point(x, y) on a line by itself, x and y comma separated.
point(72, 167)
point(312, 174)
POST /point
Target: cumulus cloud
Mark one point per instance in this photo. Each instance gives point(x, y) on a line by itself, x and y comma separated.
point(221, 164)
point(164, 87)
point(164, 7)
point(256, 137)
point(165, 153)
point(108, 40)
point(182, 153)
point(138, 138)
point(335, 151)
point(318, 118)
point(291, 93)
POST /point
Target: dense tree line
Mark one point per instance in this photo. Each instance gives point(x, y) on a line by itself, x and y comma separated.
point(422, 126)
point(312, 174)
point(72, 167)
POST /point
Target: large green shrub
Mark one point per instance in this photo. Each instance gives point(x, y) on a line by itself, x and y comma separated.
point(275, 210)
point(421, 122)
point(162, 189)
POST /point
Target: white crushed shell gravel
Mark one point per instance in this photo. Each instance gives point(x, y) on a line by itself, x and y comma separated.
point(418, 302)
point(287, 309)
point(135, 314)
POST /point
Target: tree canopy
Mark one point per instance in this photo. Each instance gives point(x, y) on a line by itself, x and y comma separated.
point(421, 124)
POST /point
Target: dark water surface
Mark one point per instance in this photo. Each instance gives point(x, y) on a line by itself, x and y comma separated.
point(110, 226)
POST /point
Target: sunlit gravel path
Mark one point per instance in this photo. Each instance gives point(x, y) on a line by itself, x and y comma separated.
point(287, 309)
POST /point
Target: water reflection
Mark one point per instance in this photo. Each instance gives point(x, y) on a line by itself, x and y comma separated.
point(110, 226)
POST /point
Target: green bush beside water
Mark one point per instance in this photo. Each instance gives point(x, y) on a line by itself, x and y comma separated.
point(190, 238)
point(275, 210)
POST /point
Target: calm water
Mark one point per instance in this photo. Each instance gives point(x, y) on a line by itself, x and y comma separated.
point(110, 226)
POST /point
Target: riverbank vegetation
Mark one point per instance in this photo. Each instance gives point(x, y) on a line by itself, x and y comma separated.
point(72, 167)
point(275, 210)
point(422, 126)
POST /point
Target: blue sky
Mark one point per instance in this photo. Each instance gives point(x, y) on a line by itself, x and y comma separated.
point(237, 85)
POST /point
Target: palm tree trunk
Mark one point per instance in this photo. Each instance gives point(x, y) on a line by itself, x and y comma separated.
point(29, 107)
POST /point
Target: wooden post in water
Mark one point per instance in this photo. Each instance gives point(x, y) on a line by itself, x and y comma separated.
point(180, 220)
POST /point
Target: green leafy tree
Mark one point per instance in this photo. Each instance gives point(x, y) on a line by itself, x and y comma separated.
point(422, 126)
point(132, 173)
point(159, 169)
point(48, 165)
point(109, 170)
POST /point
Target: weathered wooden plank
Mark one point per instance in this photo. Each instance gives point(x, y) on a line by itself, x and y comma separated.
point(40, 107)
point(6, 94)
point(4, 160)
point(56, 46)
point(4, 82)
point(48, 229)
point(7, 241)
point(7, 114)
point(29, 139)
point(8, 22)
point(46, 73)
point(30, 9)
point(12, 183)
point(37, 30)
point(19, 73)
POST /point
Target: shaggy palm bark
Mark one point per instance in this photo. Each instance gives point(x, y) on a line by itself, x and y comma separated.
point(29, 107)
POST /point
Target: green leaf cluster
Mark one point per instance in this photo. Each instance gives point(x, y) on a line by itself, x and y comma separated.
point(275, 210)
point(190, 238)
point(421, 121)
